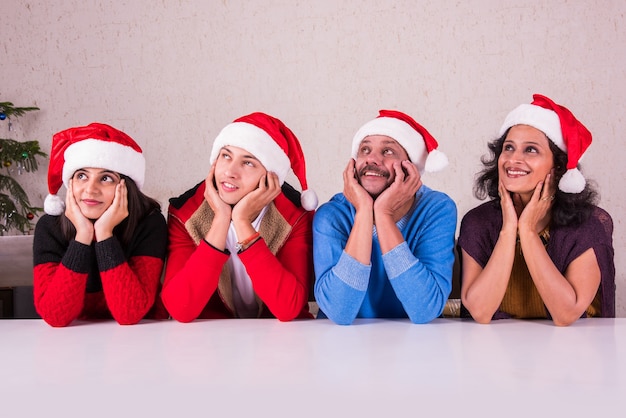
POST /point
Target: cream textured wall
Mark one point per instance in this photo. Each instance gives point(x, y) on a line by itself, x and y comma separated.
point(173, 73)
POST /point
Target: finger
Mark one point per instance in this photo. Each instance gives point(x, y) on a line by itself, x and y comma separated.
point(503, 193)
point(69, 193)
point(398, 173)
point(264, 182)
point(272, 180)
point(123, 194)
point(550, 187)
point(537, 192)
point(349, 174)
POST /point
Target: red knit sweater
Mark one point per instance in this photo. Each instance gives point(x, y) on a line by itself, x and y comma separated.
point(77, 281)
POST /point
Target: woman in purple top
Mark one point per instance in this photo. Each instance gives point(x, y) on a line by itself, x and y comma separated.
point(540, 248)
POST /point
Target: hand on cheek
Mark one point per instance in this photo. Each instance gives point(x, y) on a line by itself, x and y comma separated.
point(115, 213)
point(84, 227)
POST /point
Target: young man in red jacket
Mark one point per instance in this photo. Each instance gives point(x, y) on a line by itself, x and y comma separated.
point(240, 242)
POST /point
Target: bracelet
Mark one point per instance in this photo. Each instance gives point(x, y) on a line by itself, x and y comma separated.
point(241, 244)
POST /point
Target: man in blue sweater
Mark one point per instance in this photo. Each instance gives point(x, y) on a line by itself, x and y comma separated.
point(384, 248)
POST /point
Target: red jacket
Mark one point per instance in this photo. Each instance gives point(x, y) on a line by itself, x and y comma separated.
point(280, 264)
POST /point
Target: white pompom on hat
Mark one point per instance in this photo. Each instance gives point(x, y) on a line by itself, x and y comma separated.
point(273, 144)
point(419, 144)
point(562, 128)
point(96, 145)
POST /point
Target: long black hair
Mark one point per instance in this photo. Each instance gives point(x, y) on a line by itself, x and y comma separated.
point(139, 206)
point(567, 208)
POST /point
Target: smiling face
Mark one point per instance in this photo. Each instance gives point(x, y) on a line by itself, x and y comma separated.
point(94, 190)
point(374, 162)
point(237, 173)
point(526, 159)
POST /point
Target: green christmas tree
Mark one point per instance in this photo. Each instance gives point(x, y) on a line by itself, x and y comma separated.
point(16, 212)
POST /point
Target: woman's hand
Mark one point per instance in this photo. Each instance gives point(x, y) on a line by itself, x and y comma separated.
point(84, 226)
point(114, 215)
point(536, 214)
point(510, 209)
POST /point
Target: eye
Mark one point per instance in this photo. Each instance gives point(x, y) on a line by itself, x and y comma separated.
point(249, 163)
point(364, 150)
point(507, 147)
point(531, 149)
point(225, 156)
point(388, 151)
point(106, 178)
point(80, 176)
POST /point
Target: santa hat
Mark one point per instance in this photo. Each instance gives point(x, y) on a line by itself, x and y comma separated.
point(414, 138)
point(273, 144)
point(562, 128)
point(95, 145)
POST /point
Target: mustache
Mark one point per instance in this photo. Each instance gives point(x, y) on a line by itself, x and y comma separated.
point(373, 169)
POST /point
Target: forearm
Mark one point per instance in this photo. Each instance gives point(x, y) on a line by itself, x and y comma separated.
point(359, 244)
point(191, 281)
point(59, 293)
point(422, 285)
point(483, 289)
point(556, 292)
point(59, 284)
point(129, 286)
point(281, 283)
point(340, 290)
point(389, 236)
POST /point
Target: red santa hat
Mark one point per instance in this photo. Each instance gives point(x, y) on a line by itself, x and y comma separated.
point(562, 128)
point(414, 138)
point(273, 144)
point(96, 145)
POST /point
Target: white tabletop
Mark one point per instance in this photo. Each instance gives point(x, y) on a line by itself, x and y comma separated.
point(313, 368)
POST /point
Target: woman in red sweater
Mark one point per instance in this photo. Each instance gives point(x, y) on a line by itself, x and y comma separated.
point(240, 242)
point(100, 253)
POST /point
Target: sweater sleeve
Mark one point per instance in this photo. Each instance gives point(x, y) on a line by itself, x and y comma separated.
point(60, 272)
point(340, 280)
point(282, 280)
point(420, 269)
point(130, 281)
point(192, 273)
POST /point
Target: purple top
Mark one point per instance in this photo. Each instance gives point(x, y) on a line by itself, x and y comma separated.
point(481, 226)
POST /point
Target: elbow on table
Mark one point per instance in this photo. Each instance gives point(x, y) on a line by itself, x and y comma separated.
point(182, 316)
point(478, 313)
point(128, 320)
point(340, 319)
point(56, 322)
point(564, 321)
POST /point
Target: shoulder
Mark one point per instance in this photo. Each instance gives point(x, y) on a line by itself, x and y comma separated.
point(431, 202)
point(289, 210)
point(485, 211)
point(436, 196)
point(484, 221)
point(335, 202)
point(337, 205)
point(598, 225)
point(154, 219)
point(187, 203)
point(48, 224)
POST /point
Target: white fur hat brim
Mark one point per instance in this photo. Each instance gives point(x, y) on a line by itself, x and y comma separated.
point(104, 154)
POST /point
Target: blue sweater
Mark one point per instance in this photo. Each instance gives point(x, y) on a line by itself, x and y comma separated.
point(412, 280)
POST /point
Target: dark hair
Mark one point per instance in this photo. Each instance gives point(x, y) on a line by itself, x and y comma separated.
point(568, 208)
point(139, 205)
